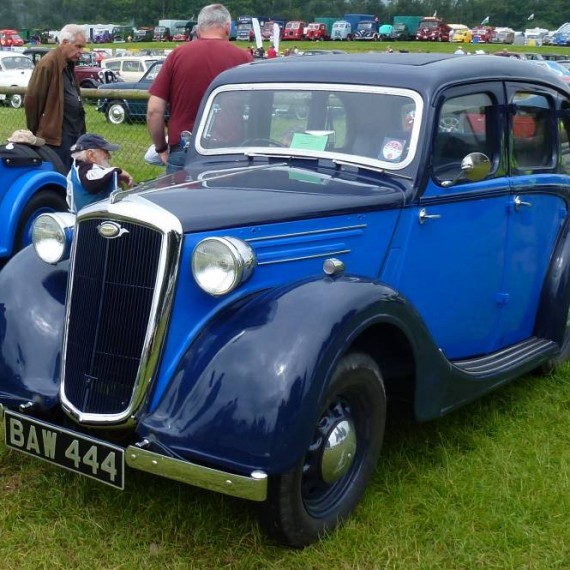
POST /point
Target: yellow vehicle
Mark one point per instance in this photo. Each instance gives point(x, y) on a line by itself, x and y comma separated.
point(460, 34)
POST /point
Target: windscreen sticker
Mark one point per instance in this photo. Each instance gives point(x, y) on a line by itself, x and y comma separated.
point(392, 149)
point(309, 142)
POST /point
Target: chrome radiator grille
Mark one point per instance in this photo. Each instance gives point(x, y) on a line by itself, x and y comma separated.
point(111, 305)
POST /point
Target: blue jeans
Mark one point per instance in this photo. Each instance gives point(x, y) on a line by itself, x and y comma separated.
point(176, 160)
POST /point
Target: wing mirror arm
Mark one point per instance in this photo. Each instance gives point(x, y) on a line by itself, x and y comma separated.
point(474, 167)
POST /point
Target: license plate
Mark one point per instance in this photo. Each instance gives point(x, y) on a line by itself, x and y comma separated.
point(76, 452)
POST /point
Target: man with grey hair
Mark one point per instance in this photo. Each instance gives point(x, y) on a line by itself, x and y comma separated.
point(54, 110)
point(184, 78)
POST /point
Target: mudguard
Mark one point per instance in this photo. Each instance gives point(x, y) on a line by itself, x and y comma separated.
point(552, 317)
point(246, 395)
point(15, 199)
point(32, 316)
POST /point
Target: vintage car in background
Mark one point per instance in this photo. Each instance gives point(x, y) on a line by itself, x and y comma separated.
point(123, 110)
point(15, 71)
point(348, 230)
point(89, 76)
point(482, 34)
point(10, 39)
point(317, 31)
point(129, 67)
point(554, 67)
point(460, 33)
point(144, 34)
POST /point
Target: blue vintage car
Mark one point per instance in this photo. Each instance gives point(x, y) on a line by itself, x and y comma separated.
point(348, 229)
point(121, 109)
point(33, 183)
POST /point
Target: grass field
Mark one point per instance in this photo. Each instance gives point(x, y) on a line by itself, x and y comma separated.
point(486, 487)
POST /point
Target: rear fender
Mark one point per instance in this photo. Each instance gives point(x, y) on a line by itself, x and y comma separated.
point(246, 394)
point(15, 198)
point(553, 311)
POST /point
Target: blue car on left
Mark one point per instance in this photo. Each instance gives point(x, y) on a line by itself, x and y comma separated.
point(120, 110)
point(33, 183)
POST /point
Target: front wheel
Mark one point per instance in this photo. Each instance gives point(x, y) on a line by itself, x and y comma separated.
point(116, 113)
point(325, 486)
point(16, 101)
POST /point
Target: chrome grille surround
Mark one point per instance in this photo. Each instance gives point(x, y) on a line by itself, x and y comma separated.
point(135, 211)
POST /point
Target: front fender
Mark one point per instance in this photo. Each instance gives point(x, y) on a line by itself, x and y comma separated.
point(32, 315)
point(246, 394)
point(15, 198)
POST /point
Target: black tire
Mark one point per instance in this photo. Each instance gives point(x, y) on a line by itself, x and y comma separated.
point(304, 503)
point(41, 202)
point(47, 154)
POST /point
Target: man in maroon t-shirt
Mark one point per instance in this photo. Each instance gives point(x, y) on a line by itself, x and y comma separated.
point(184, 78)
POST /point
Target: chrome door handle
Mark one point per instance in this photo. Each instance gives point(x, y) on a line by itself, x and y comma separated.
point(423, 216)
point(519, 203)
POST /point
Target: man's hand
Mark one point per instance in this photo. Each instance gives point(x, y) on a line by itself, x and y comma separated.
point(125, 180)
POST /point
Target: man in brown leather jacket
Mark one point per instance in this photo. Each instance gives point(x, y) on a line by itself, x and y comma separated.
point(54, 110)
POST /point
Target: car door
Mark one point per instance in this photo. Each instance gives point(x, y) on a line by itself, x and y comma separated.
point(450, 261)
point(538, 205)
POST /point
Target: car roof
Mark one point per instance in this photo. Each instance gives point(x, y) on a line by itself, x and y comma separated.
point(421, 72)
point(125, 57)
point(5, 54)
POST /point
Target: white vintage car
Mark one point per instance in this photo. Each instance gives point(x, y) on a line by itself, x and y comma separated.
point(15, 71)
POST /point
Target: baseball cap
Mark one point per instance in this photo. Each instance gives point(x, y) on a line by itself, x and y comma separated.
point(91, 141)
point(25, 136)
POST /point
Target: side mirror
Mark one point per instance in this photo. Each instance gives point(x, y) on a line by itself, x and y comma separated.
point(474, 167)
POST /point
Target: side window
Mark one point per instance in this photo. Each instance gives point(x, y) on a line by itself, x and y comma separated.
point(532, 132)
point(564, 137)
point(466, 124)
point(113, 65)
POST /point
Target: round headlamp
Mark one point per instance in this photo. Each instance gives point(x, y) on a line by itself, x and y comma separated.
point(52, 235)
point(220, 264)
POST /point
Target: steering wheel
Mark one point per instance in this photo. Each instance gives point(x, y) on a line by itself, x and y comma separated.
point(450, 124)
point(262, 142)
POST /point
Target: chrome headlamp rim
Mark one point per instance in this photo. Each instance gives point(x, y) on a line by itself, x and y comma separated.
point(243, 258)
point(62, 225)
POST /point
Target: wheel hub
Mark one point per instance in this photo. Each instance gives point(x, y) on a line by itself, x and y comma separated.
point(339, 451)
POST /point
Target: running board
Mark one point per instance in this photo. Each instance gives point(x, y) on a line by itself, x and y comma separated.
point(514, 356)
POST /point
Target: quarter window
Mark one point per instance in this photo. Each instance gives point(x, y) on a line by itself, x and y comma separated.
point(532, 132)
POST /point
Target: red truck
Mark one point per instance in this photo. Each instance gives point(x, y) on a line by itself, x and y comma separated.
point(483, 34)
point(433, 29)
point(294, 30)
point(317, 31)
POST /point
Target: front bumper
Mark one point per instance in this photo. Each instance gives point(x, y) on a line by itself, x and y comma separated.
point(252, 487)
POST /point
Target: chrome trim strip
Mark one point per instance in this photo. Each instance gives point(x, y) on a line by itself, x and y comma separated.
point(301, 258)
point(138, 210)
point(253, 487)
point(308, 233)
